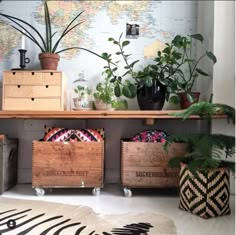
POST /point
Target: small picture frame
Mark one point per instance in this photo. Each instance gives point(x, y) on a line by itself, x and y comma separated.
point(132, 30)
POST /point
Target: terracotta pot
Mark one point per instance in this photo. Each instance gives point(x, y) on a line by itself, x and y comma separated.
point(184, 102)
point(49, 61)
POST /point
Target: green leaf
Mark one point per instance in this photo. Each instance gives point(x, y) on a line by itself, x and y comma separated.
point(190, 97)
point(198, 37)
point(133, 63)
point(133, 90)
point(113, 80)
point(211, 56)
point(111, 39)
point(202, 72)
point(174, 99)
point(125, 43)
point(129, 91)
point(117, 90)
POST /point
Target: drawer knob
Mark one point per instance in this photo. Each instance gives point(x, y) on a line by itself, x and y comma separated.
point(32, 99)
point(46, 86)
point(32, 73)
point(18, 86)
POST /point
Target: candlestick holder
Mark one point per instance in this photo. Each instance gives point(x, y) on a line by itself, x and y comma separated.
point(23, 59)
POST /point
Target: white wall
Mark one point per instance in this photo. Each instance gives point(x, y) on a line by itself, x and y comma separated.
point(224, 70)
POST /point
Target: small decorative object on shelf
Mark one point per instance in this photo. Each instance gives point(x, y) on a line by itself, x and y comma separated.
point(81, 96)
point(23, 59)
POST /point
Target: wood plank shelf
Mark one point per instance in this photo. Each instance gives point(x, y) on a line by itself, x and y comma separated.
point(149, 116)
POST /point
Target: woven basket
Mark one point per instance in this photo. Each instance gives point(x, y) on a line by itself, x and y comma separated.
point(207, 194)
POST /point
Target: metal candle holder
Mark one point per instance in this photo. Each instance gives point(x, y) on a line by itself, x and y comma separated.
point(23, 59)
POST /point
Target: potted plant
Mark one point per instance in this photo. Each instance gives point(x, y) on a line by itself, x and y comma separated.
point(104, 94)
point(204, 170)
point(48, 45)
point(150, 82)
point(188, 70)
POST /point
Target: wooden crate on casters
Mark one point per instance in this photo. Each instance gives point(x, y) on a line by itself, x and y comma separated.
point(145, 165)
point(67, 165)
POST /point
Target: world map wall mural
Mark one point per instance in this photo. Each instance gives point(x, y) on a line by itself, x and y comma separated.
point(155, 22)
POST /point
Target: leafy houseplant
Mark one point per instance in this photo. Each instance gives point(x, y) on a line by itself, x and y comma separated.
point(158, 73)
point(50, 44)
point(104, 94)
point(188, 69)
point(204, 170)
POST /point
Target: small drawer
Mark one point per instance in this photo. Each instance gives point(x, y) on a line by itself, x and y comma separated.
point(51, 78)
point(24, 91)
point(11, 77)
point(32, 104)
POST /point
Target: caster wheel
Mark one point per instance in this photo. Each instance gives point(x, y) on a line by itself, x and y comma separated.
point(96, 191)
point(127, 192)
point(39, 191)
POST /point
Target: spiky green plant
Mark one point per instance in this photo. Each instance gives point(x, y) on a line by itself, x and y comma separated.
point(46, 44)
point(204, 151)
point(206, 110)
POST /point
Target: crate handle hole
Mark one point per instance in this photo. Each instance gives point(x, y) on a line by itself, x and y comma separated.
point(32, 73)
point(14, 73)
point(32, 99)
point(51, 73)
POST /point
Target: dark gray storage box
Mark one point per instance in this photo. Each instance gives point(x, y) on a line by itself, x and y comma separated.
point(8, 162)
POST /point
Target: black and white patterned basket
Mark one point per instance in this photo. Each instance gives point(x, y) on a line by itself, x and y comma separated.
point(207, 194)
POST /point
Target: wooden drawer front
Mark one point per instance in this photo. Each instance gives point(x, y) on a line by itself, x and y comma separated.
point(52, 78)
point(32, 78)
point(146, 165)
point(67, 164)
point(32, 104)
point(22, 78)
point(23, 91)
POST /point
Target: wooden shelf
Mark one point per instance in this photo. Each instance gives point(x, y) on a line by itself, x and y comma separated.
point(128, 114)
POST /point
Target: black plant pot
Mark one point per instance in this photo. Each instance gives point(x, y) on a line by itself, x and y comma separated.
point(151, 98)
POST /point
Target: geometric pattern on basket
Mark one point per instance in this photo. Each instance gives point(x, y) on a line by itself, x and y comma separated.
point(57, 134)
point(206, 194)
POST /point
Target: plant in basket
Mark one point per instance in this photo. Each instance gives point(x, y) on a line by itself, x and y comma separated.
point(205, 168)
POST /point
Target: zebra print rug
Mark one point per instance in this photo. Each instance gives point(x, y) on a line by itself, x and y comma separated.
point(35, 217)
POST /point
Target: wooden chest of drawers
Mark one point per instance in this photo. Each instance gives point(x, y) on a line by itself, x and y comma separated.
point(33, 90)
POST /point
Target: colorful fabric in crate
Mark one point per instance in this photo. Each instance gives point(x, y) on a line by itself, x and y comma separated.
point(150, 136)
point(58, 134)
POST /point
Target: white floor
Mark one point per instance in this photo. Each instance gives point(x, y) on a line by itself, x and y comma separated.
point(112, 201)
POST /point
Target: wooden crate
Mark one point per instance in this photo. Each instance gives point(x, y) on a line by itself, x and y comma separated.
point(67, 164)
point(145, 165)
point(33, 90)
point(8, 162)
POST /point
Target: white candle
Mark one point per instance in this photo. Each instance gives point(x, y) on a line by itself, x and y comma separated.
point(23, 41)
